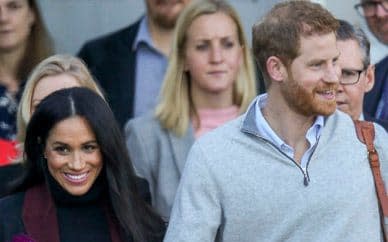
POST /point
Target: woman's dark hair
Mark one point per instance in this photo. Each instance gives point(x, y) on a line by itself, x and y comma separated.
point(135, 217)
point(39, 44)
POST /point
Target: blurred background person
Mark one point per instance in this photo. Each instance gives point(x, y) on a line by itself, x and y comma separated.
point(357, 73)
point(24, 42)
point(130, 63)
point(209, 80)
point(376, 101)
point(376, 16)
point(77, 173)
point(53, 73)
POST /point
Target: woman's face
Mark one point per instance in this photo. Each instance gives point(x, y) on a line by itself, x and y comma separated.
point(16, 20)
point(73, 155)
point(213, 53)
point(50, 84)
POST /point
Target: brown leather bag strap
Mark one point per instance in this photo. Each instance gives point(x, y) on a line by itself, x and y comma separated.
point(366, 134)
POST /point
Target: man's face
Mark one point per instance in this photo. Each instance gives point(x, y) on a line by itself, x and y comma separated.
point(378, 23)
point(350, 97)
point(165, 12)
point(312, 81)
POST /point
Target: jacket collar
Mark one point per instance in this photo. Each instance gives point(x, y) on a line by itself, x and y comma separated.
point(40, 219)
point(249, 119)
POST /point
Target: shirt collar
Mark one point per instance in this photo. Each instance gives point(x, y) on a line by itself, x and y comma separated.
point(255, 123)
point(143, 35)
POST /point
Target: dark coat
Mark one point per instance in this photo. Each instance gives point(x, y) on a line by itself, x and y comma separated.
point(373, 97)
point(8, 174)
point(112, 62)
point(33, 213)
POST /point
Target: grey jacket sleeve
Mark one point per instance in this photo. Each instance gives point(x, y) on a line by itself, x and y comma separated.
point(196, 214)
point(137, 151)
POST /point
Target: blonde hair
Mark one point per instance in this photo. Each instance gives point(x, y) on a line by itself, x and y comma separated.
point(175, 115)
point(52, 66)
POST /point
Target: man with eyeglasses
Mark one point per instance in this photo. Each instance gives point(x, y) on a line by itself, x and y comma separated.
point(291, 168)
point(357, 73)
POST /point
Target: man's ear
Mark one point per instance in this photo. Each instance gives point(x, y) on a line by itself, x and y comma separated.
point(369, 78)
point(277, 71)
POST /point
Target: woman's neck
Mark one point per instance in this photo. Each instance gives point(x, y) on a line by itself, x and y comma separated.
point(212, 100)
point(9, 67)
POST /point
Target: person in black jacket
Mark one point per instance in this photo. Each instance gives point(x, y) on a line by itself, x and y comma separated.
point(376, 101)
point(130, 64)
point(79, 184)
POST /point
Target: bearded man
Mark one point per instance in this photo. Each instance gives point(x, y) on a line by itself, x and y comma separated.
point(291, 168)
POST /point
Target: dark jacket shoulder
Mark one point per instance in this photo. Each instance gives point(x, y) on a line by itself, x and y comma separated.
point(11, 222)
point(383, 123)
point(8, 175)
point(96, 50)
point(372, 98)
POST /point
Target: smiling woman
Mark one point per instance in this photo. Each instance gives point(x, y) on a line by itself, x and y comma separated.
point(73, 155)
point(78, 172)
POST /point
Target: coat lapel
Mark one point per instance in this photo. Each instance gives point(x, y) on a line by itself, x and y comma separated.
point(40, 218)
point(39, 215)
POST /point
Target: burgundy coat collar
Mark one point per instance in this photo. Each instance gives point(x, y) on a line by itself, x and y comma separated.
point(40, 217)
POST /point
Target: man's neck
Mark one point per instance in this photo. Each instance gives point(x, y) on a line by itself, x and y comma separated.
point(161, 37)
point(290, 126)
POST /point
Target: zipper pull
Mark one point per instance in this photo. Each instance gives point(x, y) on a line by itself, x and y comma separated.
point(306, 179)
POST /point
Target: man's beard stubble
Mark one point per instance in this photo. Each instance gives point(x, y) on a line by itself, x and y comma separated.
point(305, 102)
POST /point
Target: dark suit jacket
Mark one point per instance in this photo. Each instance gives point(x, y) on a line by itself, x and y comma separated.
point(113, 63)
point(373, 97)
point(381, 122)
point(9, 174)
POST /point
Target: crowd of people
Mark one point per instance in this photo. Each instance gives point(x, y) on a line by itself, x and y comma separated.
point(175, 129)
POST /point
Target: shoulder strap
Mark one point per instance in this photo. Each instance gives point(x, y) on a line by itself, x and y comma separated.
point(366, 134)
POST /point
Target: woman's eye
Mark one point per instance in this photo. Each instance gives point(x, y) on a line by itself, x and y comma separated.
point(201, 47)
point(317, 64)
point(62, 150)
point(228, 44)
point(14, 5)
point(90, 148)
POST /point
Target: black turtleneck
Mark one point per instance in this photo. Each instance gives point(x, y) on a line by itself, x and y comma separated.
point(81, 218)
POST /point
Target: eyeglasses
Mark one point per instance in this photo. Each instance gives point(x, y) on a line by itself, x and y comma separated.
point(369, 9)
point(350, 77)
